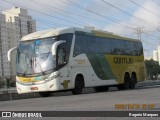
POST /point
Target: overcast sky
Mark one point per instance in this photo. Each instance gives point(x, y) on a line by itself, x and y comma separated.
point(122, 17)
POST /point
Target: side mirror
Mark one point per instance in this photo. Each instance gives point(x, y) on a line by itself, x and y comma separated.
point(9, 53)
point(55, 45)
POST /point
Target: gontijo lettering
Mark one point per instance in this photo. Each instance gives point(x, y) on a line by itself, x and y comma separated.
point(122, 60)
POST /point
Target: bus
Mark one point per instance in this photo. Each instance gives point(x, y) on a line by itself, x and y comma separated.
point(75, 58)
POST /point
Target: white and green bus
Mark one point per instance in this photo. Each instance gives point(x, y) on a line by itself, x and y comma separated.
point(75, 58)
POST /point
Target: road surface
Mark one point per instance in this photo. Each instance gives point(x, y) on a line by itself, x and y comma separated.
point(104, 101)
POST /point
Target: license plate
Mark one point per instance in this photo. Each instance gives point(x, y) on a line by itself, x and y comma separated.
point(34, 88)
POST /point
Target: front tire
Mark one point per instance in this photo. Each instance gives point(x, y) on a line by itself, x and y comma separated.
point(79, 84)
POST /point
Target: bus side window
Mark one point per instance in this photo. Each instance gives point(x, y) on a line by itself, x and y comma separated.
point(91, 44)
point(124, 47)
point(139, 48)
point(116, 47)
point(80, 46)
point(61, 56)
point(67, 45)
point(105, 46)
point(133, 49)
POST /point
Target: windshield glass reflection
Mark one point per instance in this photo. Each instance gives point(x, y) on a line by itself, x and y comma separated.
point(35, 56)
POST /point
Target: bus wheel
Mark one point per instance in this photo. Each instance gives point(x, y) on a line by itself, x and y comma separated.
point(45, 94)
point(126, 81)
point(101, 88)
point(79, 84)
point(132, 82)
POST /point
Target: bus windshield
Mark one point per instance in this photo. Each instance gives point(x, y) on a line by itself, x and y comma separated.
point(35, 57)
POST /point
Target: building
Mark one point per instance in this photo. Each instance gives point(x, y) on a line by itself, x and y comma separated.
point(4, 47)
point(15, 24)
point(155, 55)
point(158, 49)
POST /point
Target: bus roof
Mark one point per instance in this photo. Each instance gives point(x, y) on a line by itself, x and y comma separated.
point(58, 31)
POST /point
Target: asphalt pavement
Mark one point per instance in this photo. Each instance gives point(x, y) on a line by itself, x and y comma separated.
point(113, 100)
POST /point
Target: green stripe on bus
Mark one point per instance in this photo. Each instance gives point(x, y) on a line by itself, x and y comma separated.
point(101, 66)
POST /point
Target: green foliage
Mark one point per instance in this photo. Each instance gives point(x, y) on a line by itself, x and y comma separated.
point(12, 83)
point(153, 68)
point(2, 84)
point(7, 83)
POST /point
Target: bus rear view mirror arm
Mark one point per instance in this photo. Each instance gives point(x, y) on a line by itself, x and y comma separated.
point(9, 53)
point(55, 45)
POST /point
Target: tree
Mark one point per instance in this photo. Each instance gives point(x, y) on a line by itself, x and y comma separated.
point(153, 68)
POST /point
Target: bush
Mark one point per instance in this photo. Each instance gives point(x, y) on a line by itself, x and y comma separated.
point(12, 83)
point(2, 84)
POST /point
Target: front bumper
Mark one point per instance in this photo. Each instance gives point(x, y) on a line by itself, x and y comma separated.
point(52, 85)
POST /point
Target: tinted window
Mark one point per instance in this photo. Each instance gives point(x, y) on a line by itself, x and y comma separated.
point(80, 44)
point(116, 47)
point(125, 47)
point(61, 56)
point(105, 46)
point(93, 44)
point(140, 48)
point(136, 48)
point(133, 48)
point(67, 45)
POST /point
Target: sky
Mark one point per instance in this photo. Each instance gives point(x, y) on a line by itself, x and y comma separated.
point(138, 19)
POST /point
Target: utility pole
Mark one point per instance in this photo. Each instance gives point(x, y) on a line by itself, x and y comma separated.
point(139, 32)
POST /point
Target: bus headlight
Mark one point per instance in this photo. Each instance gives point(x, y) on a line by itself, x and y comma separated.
point(50, 78)
point(56, 74)
point(53, 75)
